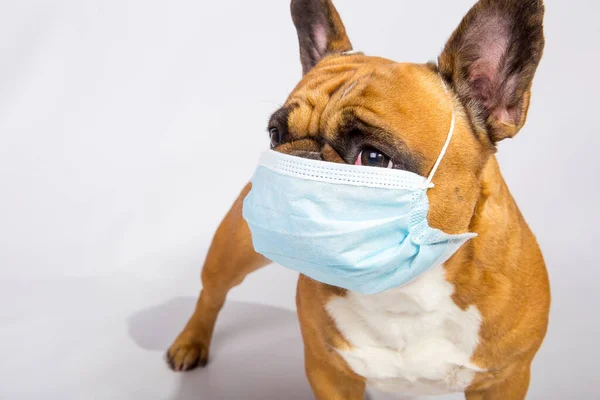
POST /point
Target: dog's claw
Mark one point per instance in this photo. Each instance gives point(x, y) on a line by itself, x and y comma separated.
point(185, 357)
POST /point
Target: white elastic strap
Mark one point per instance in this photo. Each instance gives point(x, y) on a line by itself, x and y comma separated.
point(443, 152)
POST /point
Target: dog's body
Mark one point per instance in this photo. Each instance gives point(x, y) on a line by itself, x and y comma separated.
point(473, 324)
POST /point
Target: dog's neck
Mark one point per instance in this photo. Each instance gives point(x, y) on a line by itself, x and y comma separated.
point(494, 252)
point(496, 206)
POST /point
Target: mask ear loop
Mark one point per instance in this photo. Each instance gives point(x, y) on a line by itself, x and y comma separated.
point(429, 184)
point(442, 153)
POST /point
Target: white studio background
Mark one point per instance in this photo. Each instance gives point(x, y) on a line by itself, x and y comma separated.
point(128, 127)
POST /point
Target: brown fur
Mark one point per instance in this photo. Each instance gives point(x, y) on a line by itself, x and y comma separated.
point(403, 110)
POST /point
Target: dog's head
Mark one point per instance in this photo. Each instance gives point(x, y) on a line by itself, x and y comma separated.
point(358, 109)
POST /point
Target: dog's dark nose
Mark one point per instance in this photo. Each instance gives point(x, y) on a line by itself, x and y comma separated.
point(312, 155)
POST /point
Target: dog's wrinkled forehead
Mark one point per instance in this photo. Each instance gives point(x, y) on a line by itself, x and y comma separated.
point(352, 101)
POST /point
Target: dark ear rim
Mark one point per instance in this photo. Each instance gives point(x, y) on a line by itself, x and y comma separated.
point(320, 31)
point(496, 90)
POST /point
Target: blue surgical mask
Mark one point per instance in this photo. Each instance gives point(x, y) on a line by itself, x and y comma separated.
point(360, 228)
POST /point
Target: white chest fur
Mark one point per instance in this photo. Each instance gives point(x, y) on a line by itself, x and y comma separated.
point(411, 340)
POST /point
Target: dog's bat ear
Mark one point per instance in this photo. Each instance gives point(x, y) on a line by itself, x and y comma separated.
point(320, 31)
point(491, 59)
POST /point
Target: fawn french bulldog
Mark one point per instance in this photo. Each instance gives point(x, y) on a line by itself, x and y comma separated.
point(408, 284)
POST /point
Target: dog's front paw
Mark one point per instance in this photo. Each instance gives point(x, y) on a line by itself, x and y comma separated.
point(186, 354)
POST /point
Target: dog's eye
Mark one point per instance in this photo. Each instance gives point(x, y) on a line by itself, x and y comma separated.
point(374, 158)
point(275, 136)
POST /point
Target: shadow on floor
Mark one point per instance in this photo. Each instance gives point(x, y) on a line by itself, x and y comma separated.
point(256, 352)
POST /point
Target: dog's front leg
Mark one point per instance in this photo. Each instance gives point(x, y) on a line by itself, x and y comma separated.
point(230, 258)
point(513, 387)
point(328, 374)
point(330, 383)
